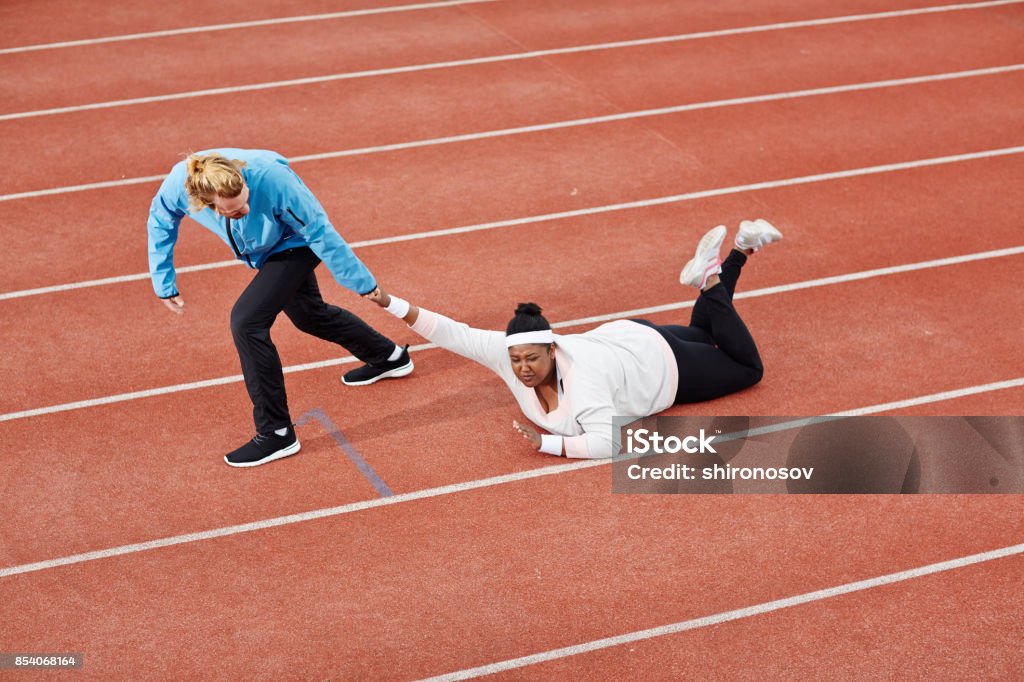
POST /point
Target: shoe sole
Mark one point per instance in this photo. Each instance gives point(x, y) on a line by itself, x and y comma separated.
point(280, 454)
point(712, 240)
point(404, 370)
point(770, 229)
point(761, 227)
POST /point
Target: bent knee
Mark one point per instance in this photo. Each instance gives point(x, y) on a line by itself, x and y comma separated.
point(247, 323)
point(307, 320)
point(755, 374)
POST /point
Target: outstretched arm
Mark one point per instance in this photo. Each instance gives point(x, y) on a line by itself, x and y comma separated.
point(384, 300)
point(480, 345)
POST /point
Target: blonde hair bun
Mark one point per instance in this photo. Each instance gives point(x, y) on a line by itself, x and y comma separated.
point(210, 176)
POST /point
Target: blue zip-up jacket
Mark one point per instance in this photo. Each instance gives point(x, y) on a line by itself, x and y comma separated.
point(283, 214)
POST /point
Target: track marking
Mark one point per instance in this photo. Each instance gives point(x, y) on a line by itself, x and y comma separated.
point(120, 279)
point(238, 25)
point(661, 111)
point(104, 184)
point(475, 61)
point(703, 194)
point(933, 398)
point(409, 497)
point(754, 293)
point(736, 614)
point(350, 451)
point(558, 125)
point(643, 203)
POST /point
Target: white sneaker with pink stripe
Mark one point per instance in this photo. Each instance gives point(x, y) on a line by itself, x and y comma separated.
point(705, 262)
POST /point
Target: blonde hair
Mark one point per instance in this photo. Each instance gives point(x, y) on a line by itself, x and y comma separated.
point(211, 176)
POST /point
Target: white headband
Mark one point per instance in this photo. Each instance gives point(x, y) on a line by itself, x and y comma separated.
point(542, 336)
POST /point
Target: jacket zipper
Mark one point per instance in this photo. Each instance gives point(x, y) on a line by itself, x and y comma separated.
point(234, 246)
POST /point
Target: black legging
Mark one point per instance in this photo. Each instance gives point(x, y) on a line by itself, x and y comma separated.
point(716, 354)
point(287, 283)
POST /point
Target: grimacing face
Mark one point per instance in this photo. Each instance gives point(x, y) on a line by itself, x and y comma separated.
point(532, 363)
point(233, 207)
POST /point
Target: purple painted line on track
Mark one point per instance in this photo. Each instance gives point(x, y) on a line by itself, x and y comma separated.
point(376, 481)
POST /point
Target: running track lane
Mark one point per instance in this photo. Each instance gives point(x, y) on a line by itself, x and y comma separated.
point(144, 68)
point(75, 329)
point(245, 56)
point(544, 25)
point(31, 22)
point(961, 624)
point(800, 57)
point(496, 573)
point(346, 114)
point(136, 470)
point(37, 26)
point(424, 189)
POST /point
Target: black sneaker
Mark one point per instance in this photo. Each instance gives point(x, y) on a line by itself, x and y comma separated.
point(265, 447)
point(368, 374)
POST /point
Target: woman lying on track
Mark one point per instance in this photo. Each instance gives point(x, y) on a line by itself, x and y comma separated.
point(572, 385)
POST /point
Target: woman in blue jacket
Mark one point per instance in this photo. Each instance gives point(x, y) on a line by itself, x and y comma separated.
point(259, 207)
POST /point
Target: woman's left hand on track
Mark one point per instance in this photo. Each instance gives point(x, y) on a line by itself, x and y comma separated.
point(527, 432)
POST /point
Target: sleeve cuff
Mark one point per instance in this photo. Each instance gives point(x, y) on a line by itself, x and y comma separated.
point(398, 307)
point(551, 445)
point(577, 447)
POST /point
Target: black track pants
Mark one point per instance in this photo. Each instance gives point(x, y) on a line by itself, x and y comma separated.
point(286, 282)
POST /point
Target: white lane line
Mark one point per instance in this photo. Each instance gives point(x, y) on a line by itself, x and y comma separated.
point(298, 518)
point(933, 398)
point(703, 194)
point(119, 279)
point(662, 111)
point(370, 73)
point(124, 182)
point(809, 284)
point(238, 25)
point(644, 203)
point(405, 497)
point(558, 125)
point(638, 312)
point(736, 614)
